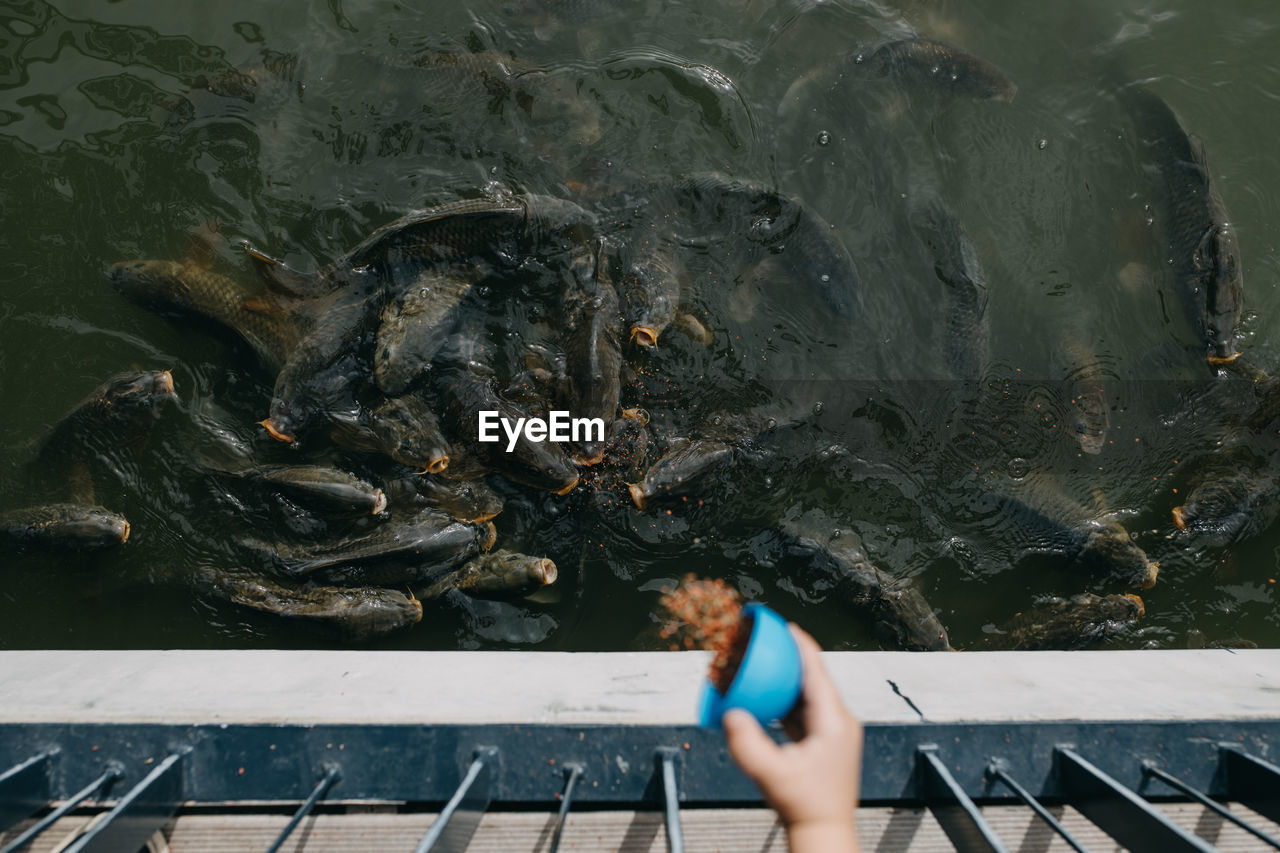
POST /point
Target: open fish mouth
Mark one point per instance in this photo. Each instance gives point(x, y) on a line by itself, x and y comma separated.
point(380, 503)
point(645, 336)
point(547, 569)
point(1149, 579)
point(266, 424)
point(1180, 517)
point(435, 466)
point(124, 532)
point(1142, 608)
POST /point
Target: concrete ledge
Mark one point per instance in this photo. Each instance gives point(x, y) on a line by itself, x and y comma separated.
point(265, 686)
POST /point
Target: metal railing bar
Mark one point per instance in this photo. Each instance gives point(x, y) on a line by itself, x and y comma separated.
point(1252, 781)
point(113, 772)
point(951, 807)
point(459, 818)
point(997, 773)
point(140, 812)
point(1150, 770)
point(573, 771)
point(24, 788)
point(1119, 812)
point(332, 773)
point(671, 798)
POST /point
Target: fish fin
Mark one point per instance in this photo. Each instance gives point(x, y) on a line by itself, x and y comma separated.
point(1204, 254)
point(1197, 151)
point(694, 329)
point(80, 483)
point(258, 304)
point(282, 278)
point(203, 244)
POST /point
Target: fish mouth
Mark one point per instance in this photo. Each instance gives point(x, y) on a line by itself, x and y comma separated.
point(637, 495)
point(587, 461)
point(569, 488)
point(1149, 579)
point(266, 424)
point(417, 606)
point(164, 384)
point(1180, 517)
point(1142, 609)
point(481, 519)
point(124, 533)
point(435, 466)
point(489, 536)
point(1223, 359)
point(636, 414)
point(380, 503)
point(645, 336)
point(548, 571)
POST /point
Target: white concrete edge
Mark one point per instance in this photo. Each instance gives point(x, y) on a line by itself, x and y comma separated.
point(330, 687)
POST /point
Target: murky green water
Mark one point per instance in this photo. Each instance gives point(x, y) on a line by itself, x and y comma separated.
point(299, 128)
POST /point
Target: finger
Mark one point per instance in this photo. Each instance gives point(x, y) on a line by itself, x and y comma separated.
point(755, 751)
point(823, 711)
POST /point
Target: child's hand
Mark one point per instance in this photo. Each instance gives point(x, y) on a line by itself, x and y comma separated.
point(812, 783)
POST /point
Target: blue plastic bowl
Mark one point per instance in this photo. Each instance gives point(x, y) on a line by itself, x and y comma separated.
point(768, 680)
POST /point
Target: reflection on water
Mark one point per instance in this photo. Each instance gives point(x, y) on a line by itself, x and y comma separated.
point(141, 130)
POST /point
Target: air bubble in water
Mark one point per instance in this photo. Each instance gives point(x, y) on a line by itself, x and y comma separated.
point(824, 138)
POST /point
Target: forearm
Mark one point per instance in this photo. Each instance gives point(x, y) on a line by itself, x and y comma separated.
point(823, 837)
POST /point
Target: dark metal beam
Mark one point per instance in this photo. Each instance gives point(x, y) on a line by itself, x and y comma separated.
point(332, 773)
point(951, 806)
point(1153, 772)
point(1119, 812)
point(140, 812)
point(671, 798)
point(1252, 781)
point(452, 831)
point(997, 773)
point(113, 772)
point(572, 772)
point(24, 789)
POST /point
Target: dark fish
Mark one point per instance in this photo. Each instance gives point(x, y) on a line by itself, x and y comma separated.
point(838, 566)
point(498, 574)
point(65, 526)
point(320, 487)
point(506, 230)
point(955, 262)
point(403, 428)
point(122, 405)
point(940, 66)
point(1067, 624)
point(1088, 396)
point(541, 464)
point(1044, 520)
point(650, 290)
point(166, 285)
point(429, 538)
point(803, 244)
point(1199, 242)
point(323, 368)
point(680, 469)
point(593, 354)
point(464, 500)
point(414, 326)
point(359, 613)
point(1230, 503)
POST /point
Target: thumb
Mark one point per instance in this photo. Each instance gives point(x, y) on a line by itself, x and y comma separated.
point(754, 750)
